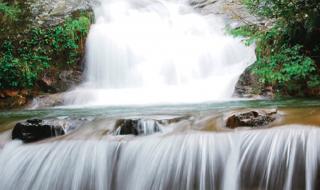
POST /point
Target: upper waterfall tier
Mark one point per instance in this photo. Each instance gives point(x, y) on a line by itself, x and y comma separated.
point(149, 52)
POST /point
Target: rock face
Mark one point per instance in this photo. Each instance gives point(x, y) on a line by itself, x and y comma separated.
point(52, 12)
point(53, 82)
point(248, 86)
point(35, 130)
point(233, 11)
point(136, 127)
point(253, 118)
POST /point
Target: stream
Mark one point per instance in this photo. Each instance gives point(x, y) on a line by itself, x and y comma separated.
point(152, 112)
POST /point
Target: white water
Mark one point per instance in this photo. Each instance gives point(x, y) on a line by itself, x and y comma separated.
point(278, 158)
point(153, 52)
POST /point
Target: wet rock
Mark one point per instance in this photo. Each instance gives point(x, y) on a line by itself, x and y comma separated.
point(45, 101)
point(68, 79)
point(248, 86)
point(46, 83)
point(169, 120)
point(136, 126)
point(38, 129)
point(143, 126)
point(253, 118)
point(35, 130)
point(201, 3)
point(54, 81)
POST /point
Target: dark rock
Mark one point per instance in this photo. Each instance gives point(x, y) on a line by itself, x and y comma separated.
point(136, 126)
point(35, 130)
point(143, 126)
point(46, 83)
point(54, 81)
point(253, 118)
point(248, 86)
point(245, 85)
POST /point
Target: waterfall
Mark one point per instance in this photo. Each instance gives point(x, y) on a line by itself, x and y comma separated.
point(277, 158)
point(158, 51)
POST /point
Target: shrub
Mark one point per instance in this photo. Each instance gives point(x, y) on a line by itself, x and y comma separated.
point(287, 52)
point(8, 13)
point(23, 59)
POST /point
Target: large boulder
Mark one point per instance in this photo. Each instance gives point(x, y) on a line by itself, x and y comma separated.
point(252, 118)
point(35, 130)
point(38, 129)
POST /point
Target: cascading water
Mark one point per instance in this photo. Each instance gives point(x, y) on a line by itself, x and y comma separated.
point(153, 52)
point(280, 158)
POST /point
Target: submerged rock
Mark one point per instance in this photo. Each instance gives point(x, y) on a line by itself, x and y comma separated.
point(136, 126)
point(35, 130)
point(253, 118)
point(143, 126)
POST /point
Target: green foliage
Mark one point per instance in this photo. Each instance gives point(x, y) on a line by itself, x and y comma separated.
point(299, 19)
point(8, 12)
point(245, 31)
point(22, 60)
point(249, 32)
point(286, 68)
point(287, 52)
point(20, 71)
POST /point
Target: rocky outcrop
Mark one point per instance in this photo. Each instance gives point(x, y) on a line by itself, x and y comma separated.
point(248, 86)
point(252, 118)
point(53, 82)
point(35, 130)
point(233, 11)
point(38, 129)
point(53, 12)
